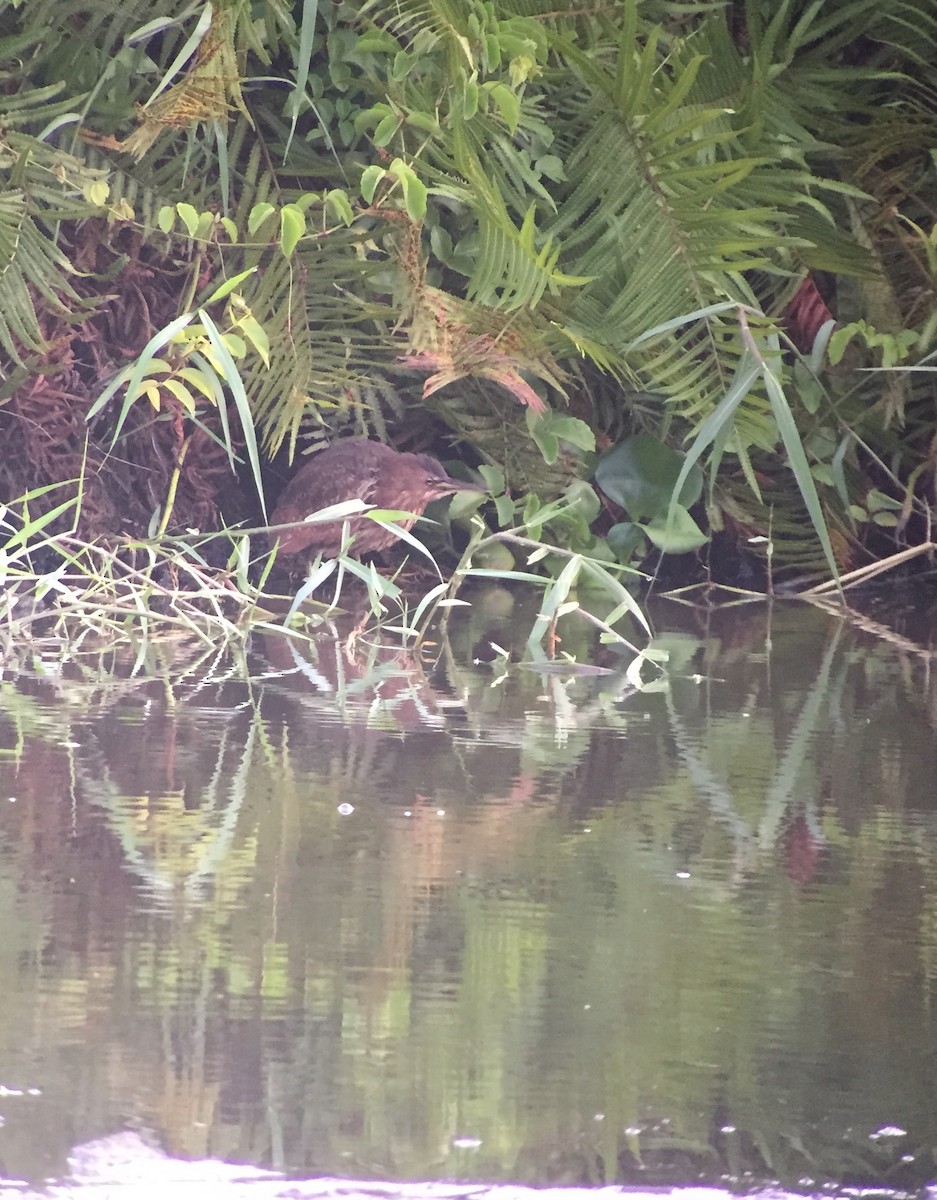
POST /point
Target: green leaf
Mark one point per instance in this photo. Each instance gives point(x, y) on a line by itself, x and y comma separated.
point(337, 201)
point(414, 191)
point(504, 509)
point(370, 178)
point(556, 594)
point(228, 286)
point(372, 116)
point(133, 375)
point(582, 500)
point(292, 228)
point(493, 477)
point(29, 530)
point(877, 500)
point(197, 379)
point(257, 336)
point(507, 103)
point(495, 561)
point(303, 59)
point(675, 532)
point(258, 215)
point(469, 99)
point(376, 41)
point(572, 430)
point(402, 66)
point(189, 217)
point(182, 394)
point(386, 129)
point(420, 120)
point(206, 223)
point(547, 443)
point(797, 459)
point(235, 344)
point(641, 474)
point(96, 193)
point(552, 167)
point(241, 403)
point(624, 539)
point(188, 50)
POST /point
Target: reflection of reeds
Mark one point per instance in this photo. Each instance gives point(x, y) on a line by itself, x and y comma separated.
point(547, 898)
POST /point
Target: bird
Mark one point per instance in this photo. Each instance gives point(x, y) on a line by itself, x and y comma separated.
point(358, 468)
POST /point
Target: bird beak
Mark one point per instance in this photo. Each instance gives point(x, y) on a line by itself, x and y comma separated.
point(450, 486)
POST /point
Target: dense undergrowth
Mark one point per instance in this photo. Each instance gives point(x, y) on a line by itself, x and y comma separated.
point(665, 272)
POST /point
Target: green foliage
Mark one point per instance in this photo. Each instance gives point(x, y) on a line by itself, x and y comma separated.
point(542, 532)
point(641, 475)
point(41, 188)
point(550, 429)
point(894, 347)
point(489, 191)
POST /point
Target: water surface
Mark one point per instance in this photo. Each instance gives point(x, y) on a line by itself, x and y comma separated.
point(357, 915)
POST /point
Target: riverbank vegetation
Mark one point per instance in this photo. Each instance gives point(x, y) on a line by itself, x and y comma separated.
point(665, 272)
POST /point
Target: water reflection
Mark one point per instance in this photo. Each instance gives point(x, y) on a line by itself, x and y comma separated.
point(351, 913)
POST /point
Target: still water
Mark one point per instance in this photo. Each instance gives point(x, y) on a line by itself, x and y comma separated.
point(355, 915)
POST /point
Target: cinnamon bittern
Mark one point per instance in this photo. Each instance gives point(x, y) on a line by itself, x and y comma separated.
point(358, 468)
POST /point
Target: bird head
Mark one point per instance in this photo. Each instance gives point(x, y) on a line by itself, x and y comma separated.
point(438, 484)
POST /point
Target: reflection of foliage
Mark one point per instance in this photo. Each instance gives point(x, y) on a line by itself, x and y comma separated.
point(498, 942)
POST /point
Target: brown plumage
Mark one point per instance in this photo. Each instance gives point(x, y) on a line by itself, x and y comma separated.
point(359, 469)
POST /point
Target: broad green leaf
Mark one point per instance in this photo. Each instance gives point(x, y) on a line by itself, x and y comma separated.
point(370, 178)
point(197, 379)
point(292, 228)
point(495, 560)
point(205, 227)
point(675, 532)
point(258, 214)
point(96, 193)
point(641, 474)
point(189, 217)
point(624, 540)
point(337, 201)
point(182, 394)
point(376, 41)
point(493, 477)
point(386, 129)
point(508, 104)
point(423, 121)
point(572, 430)
point(414, 190)
point(582, 500)
point(402, 65)
point(257, 336)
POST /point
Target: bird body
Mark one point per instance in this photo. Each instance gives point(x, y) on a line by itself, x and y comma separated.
point(358, 468)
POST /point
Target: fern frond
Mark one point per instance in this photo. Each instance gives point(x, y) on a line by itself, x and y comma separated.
point(323, 341)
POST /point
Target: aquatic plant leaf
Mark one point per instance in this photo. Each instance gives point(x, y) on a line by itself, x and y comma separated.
point(641, 474)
